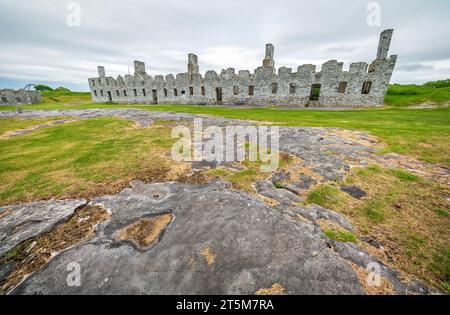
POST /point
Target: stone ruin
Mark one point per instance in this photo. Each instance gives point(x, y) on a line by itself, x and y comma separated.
point(19, 97)
point(361, 85)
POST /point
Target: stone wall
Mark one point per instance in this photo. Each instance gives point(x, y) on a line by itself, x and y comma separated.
point(361, 85)
point(19, 97)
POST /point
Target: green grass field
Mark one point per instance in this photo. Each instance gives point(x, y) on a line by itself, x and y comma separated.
point(407, 95)
point(78, 157)
point(421, 133)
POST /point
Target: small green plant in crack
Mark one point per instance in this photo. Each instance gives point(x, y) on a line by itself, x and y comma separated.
point(341, 236)
point(373, 210)
point(441, 212)
point(17, 251)
point(377, 207)
point(446, 286)
point(330, 152)
point(324, 195)
point(278, 185)
point(368, 171)
point(440, 264)
point(405, 175)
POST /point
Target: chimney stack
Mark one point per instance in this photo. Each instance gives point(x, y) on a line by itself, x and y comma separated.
point(193, 64)
point(268, 60)
point(384, 44)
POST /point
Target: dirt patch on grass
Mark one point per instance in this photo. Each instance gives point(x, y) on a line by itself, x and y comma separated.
point(157, 174)
point(356, 137)
point(276, 289)
point(194, 178)
point(74, 187)
point(31, 255)
point(145, 232)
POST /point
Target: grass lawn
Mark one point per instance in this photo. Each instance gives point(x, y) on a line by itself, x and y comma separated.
point(81, 159)
point(68, 98)
point(406, 95)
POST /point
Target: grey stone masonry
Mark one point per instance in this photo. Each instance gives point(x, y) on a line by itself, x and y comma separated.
point(101, 71)
point(193, 64)
point(362, 85)
point(385, 42)
point(268, 60)
point(19, 97)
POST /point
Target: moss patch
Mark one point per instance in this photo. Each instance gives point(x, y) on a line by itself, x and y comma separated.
point(324, 195)
point(405, 175)
point(341, 236)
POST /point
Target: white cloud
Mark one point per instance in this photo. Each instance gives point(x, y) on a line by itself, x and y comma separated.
point(37, 45)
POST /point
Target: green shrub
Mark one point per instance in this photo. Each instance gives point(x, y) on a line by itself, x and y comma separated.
point(438, 84)
point(42, 88)
point(62, 89)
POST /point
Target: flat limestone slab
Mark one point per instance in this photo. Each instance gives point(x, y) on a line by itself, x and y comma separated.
point(220, 241)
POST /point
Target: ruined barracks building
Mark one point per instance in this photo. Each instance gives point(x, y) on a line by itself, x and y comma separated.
point(362, 85)
point(19, 97)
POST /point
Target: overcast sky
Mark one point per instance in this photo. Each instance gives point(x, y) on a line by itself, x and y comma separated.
point(38, 46)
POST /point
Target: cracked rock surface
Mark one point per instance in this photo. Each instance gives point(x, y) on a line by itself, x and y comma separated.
point(315, 212)
point(353, 253)
point(267, 189)
point(21, 222)
point(253, 246)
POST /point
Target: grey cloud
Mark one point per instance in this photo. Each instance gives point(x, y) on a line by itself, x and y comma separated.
point(39, 46)
point(411, 67)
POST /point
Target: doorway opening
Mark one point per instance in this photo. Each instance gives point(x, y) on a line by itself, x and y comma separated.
point(315, 92)
point(155, 96)
point(219, 94)
point(109, 97)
